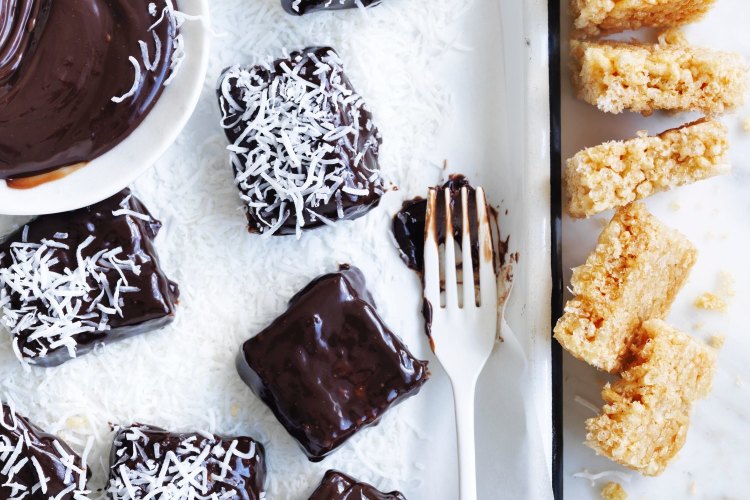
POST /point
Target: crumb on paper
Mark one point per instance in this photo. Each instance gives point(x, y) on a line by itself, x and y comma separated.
point(234, 410)
point(675, 206)
point(614, 491)
point(726, 284)
point(693, 489)
point(710, 302)
point(76, 422)
point(717, 341)
point(739, 381)
point(698, 325)
point(746, 124)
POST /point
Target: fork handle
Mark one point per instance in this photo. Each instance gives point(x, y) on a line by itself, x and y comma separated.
point(467, 472)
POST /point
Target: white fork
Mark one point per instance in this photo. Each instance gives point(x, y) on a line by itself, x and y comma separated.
point(463, 337)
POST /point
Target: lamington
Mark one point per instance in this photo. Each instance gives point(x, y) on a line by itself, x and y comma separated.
point(150, 462)
point(74, 280)
point(302, 7)
point(304, 148)
point(646, 414)
point(617, 76)
point(593, 17)
point(633, 275)
point(35, 464)
point(329, 367)
point(339, 486)
point(616, 173)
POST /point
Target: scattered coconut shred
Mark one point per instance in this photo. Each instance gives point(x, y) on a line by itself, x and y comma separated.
point(182, 378)
point(168, 14)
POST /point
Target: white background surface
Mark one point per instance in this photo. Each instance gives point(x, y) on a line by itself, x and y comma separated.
point(445, 83)
point(715, 215)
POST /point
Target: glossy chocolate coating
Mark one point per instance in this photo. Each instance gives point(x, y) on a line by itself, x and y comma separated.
point(358, 153)
point(328, 366)
point(40, 446)
point(409, 223)
point(301, 7)
point(152, 307)
point(246, 475)
point(338, 486)
point(61, 62)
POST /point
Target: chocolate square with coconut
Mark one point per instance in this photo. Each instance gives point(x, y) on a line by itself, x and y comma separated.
point(72, 280)
point(329, 367)
point(149, 462)
point(303, 147)
point(338, 486)
point(34, 464)
point(302, 7)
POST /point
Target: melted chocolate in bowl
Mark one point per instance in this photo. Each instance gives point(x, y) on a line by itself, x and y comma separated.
point(61, 63)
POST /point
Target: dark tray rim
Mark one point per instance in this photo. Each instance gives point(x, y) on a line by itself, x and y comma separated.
point(553, 13)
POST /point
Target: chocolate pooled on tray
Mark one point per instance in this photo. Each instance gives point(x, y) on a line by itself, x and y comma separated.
point(37, 465)
point(303, 146)
point(328, 366)
point(338, 486)
point(72, 280)
point(149, 462)
point(301, 7)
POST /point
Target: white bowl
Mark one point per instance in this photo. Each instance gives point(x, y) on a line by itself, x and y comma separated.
point(119, 167)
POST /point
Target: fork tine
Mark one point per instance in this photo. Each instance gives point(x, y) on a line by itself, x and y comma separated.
point(466, 258)
point(431, 257)
point(487, 277)
point(451, 284)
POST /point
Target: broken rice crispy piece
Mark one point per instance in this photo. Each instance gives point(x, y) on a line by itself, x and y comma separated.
point(616, 173)
point(646, 414)
point(591, 17)
point(614, 491)
point(633, 275)
point(615, 76)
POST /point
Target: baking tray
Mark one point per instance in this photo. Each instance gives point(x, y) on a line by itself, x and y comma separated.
point(715, 215)
point(482, 66)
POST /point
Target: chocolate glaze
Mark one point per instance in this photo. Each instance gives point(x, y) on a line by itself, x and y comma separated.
point(61, 62)
point(301, 7)
point(41, 446)
point(365, 144)
point(150, 308)
point(338, 486)
point(409, 223)
point(328, 366)
point(246, 476)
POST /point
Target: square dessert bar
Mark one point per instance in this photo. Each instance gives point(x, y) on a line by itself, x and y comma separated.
point(646, 413)
point(72, 280)
point(338, 486)
point(616, 173)
point(633, 275)
point(37, 465)
point(301, 7)
point(592, 17)
point(149, 462)
point(328, 366)
point(615, 76)
point(303, 145)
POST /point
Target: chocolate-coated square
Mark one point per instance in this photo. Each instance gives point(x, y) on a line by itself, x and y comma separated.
point(303, 146)
point(302, 7)
point(338, 486)
point(34, 464)
point(149, 462)
point(329, 366)
point(72, 280)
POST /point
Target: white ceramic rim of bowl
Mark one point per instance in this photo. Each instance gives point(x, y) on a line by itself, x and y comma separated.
point(110, 173)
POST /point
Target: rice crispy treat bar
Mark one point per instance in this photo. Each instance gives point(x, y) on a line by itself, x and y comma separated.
point(633, 275)
point(615, 76)
point(592, 17)
point(616, 173)
point(646, 414)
